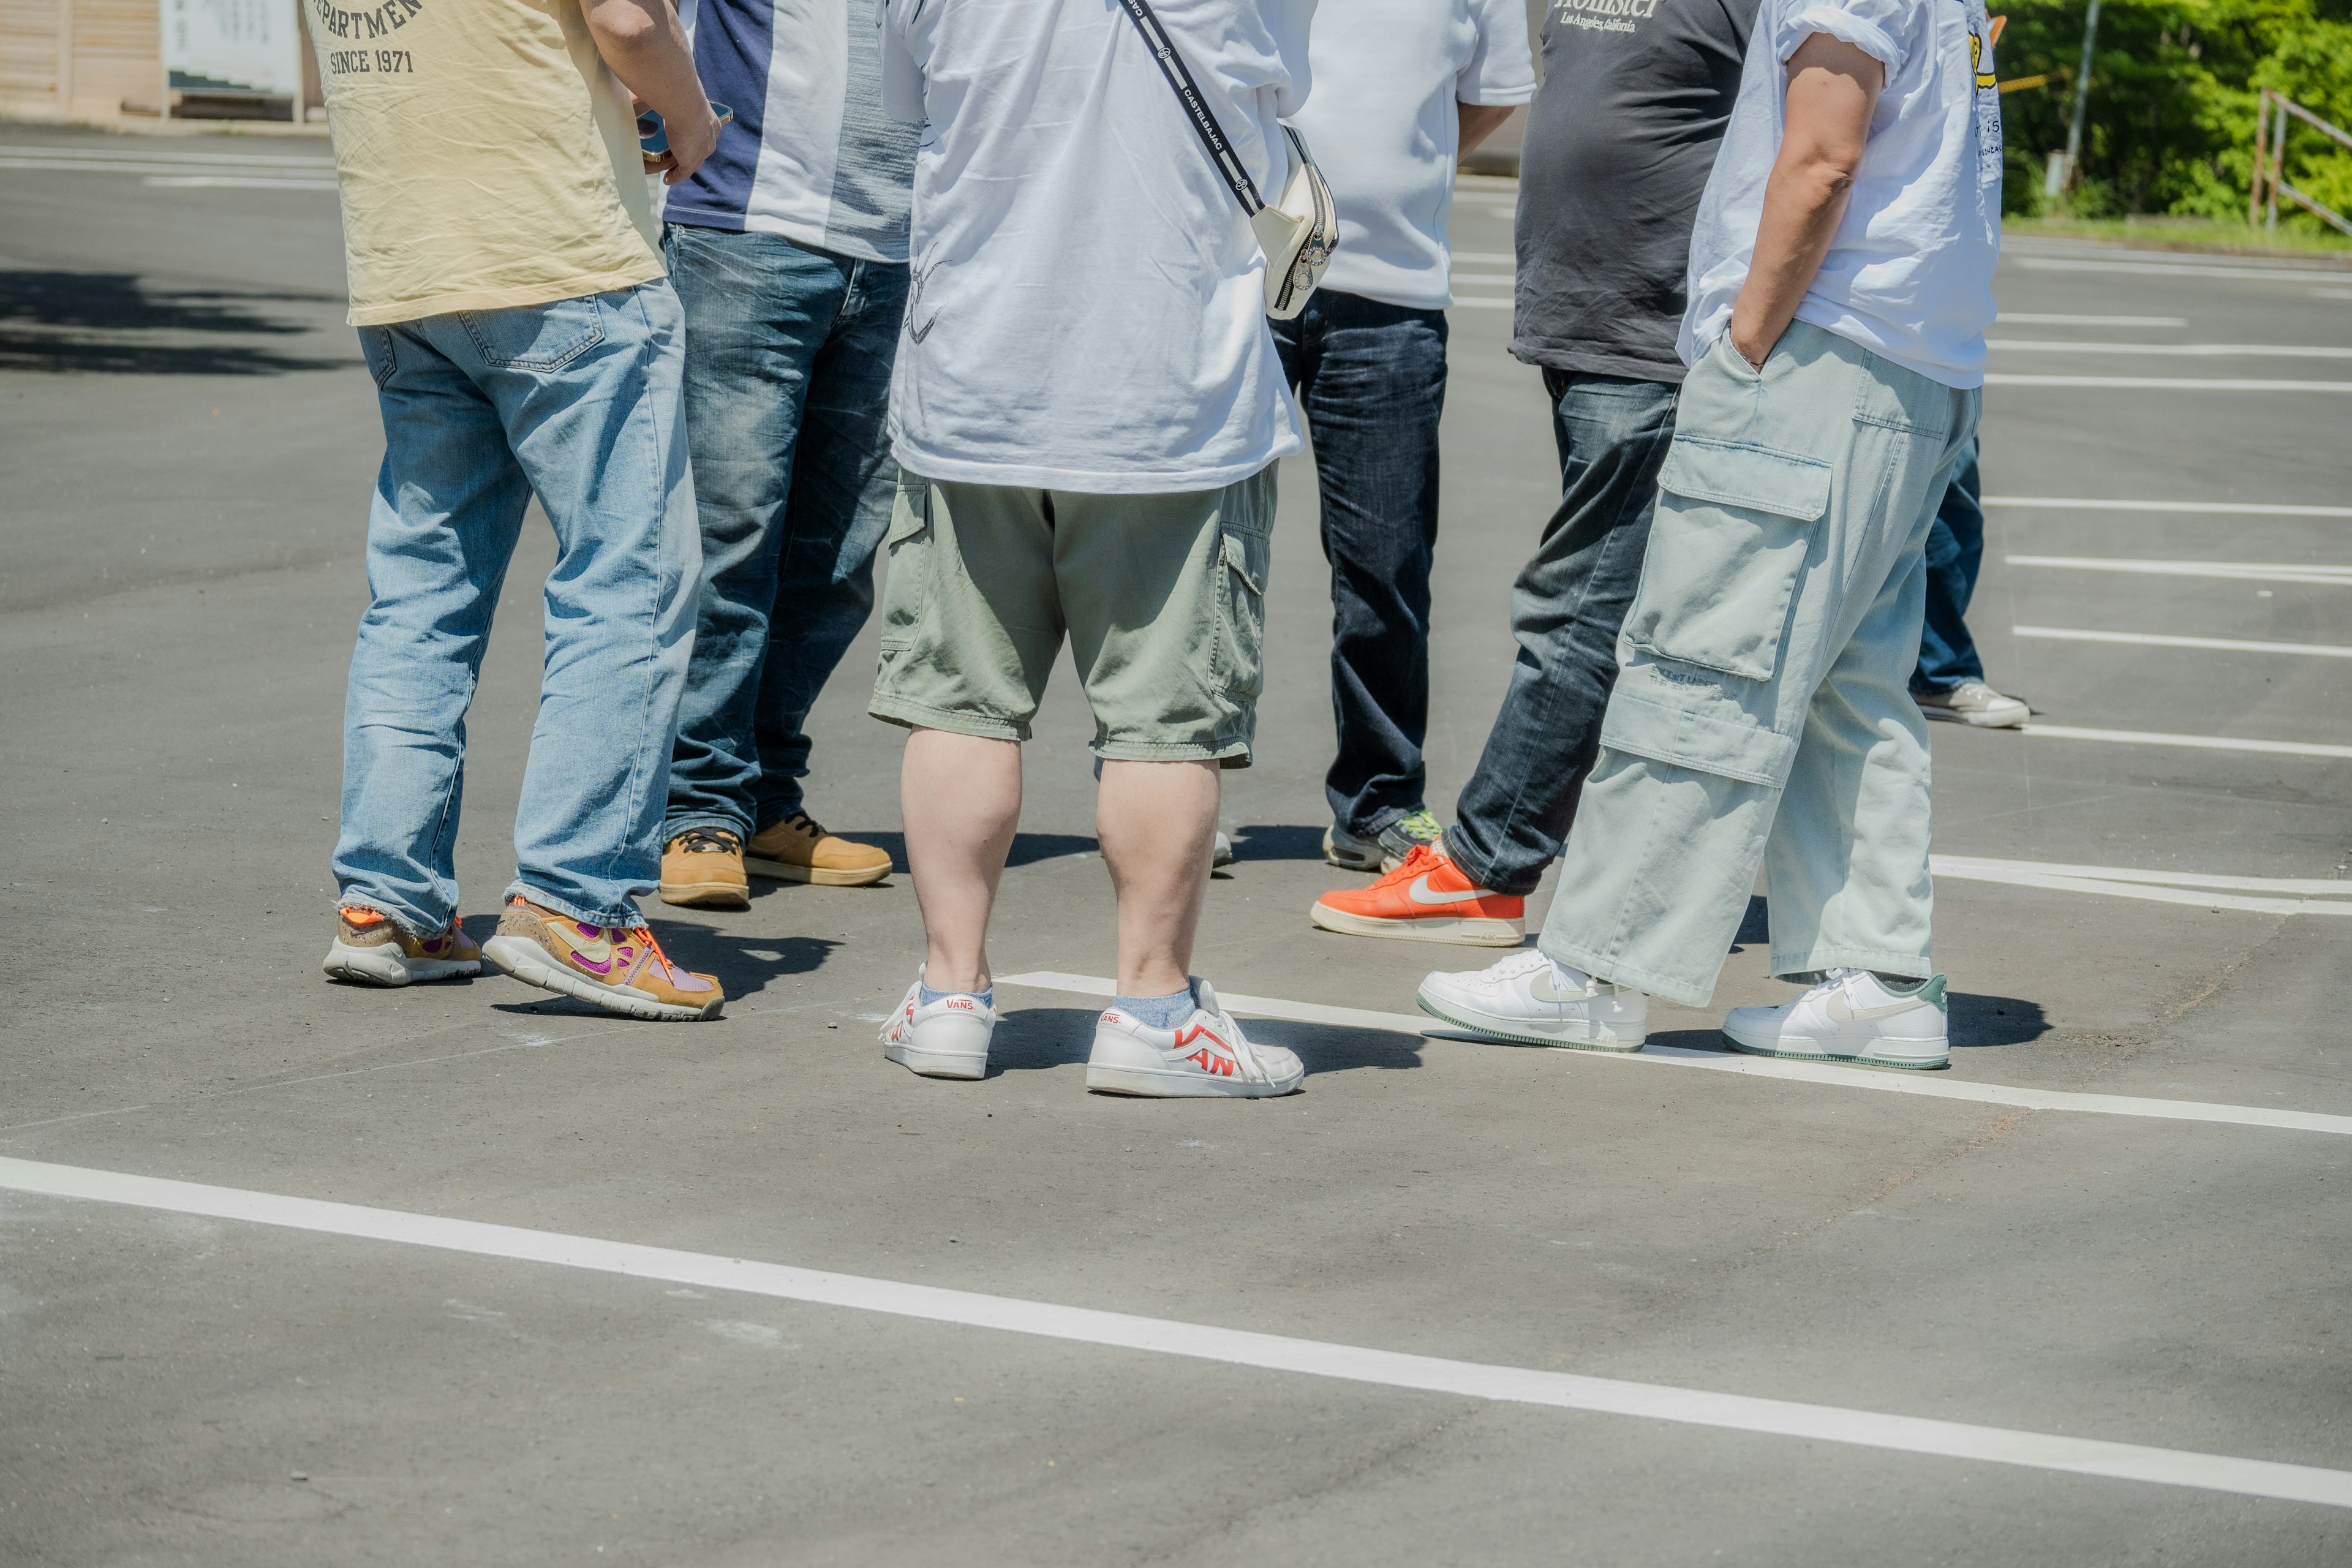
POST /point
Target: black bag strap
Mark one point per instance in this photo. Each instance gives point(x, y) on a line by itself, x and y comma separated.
point(1196, 108)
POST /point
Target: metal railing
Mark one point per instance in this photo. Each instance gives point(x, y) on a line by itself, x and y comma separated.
point(2270, 160)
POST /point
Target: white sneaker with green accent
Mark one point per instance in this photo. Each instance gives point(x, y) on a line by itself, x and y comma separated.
point(1528, 999)
point(1850, 1017)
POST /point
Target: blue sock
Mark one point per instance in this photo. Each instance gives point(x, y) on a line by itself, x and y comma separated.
point(1159, 1012)
point(987, 997)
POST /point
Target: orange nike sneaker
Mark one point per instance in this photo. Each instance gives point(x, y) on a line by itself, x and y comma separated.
point(1425, 898)
point(621, 969)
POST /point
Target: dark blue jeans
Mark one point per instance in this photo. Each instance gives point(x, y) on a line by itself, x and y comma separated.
point(1566, 609)
point(1372, 377)
point(788, 352)
point(1947, 655)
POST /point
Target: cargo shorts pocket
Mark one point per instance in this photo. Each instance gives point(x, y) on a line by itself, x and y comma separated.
point(906, 588)
point(1246, 555)
point(1732, 528)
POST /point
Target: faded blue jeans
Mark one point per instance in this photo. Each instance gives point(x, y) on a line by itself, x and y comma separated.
point(1762, 713)
point(1947, 653)
point(787, 390)
point(575, 401)
point(1565, 607)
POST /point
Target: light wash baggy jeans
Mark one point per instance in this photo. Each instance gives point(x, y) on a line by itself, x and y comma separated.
point(1762, 710)
point(578, 402)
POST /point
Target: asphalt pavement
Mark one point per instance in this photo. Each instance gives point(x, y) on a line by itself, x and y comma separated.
point(744, 1293)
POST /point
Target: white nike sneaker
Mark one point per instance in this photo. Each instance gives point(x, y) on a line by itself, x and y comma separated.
point(947, 1040)
point(1529, 999)
point(1206, 1056)
point(1850, 1017)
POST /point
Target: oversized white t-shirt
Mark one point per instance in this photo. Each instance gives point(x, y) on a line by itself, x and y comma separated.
point(1087, 308)
point(1909, 272)
point(1384, 129)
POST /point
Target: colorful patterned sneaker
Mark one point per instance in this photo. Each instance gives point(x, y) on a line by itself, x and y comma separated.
point(1425, 898)
point(948, 1038)
point(1973, 703)
point(799, 850)
point(371, 948)
point(1206, 1056)
point(1528, 999)
point(1384, 852)
point(622, 969)
point(703, 867)
point(1852, 1015)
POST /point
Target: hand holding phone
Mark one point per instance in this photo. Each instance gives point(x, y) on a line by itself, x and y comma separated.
point(654, 141)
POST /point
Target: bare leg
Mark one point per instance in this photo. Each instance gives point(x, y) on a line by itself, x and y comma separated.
point(1157, 821)
point(960, 796)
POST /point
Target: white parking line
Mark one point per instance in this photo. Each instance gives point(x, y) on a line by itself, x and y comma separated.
point(2199, 742)
point(1198, 1341)
point(1885, 1081)
point(2156, 887)
point(2168, 384)
point(2032, 319)
point(2162, 639)
point(2179, 270)
point(2229, 570)
point(2217, 507)
point(151, 156)
point(2208, 350)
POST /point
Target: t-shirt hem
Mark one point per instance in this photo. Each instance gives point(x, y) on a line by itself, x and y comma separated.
point(809, 235)
point(506, 299)
point(1846, 326)
point(1499, 97)
point(1578, 360)
point(914, 460)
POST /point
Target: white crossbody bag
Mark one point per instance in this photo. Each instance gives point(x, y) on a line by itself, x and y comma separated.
point(1298, 231)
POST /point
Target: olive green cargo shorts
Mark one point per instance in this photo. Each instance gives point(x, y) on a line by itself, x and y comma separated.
point(1162, 598)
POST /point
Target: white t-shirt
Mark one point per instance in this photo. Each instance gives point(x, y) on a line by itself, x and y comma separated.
point(1909, 272)
point(1088, 310)
point(1384, 129)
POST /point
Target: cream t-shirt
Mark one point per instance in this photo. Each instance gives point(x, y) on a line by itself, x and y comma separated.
point(487, 155)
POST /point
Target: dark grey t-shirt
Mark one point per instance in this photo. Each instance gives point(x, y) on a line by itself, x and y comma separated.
point(1636, 98)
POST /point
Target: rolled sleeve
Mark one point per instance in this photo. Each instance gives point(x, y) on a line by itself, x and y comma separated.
point(1501, 69)
point(1874, 26)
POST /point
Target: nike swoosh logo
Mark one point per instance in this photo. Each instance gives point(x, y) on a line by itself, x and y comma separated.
point(1420, 892)
point(1547, 989)
point(1845, 1013)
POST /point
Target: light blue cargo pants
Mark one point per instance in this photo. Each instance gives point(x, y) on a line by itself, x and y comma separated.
point(1762, 712)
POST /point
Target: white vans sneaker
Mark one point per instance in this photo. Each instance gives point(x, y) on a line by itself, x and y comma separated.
point(1850, 1017)
point(1973, 703)
point(1528, 999)
point(1206, 1056)
point(947, 1040)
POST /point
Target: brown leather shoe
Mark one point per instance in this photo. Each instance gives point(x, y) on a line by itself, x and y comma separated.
point(703, 867)
point(798, 850)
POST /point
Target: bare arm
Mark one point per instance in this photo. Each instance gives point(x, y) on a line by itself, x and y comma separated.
point(1479, 120)
point(1833, 89)
point(645, 44)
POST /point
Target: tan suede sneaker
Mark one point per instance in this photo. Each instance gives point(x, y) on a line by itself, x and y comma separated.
point(621, 969)
point(798, 850)
point(703, 866)
point(371, 948)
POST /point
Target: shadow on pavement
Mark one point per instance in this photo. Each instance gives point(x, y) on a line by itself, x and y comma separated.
point(1994, 1020)
point(106, 323)
point(1028, 849)
point(1277, 841)
point(1032, 1040)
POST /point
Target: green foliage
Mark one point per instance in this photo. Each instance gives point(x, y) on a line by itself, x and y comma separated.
point(2173, 88)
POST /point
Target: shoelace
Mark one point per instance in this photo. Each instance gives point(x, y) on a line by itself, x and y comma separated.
point(801, 823)
point(1420, 826)
point(706, 841)
point(670, 971)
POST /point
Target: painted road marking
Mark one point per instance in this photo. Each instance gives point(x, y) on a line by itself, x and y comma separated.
point(2163, 639)
point(2229, 570)
point(2210, 350)
point(2218, 508)
point(2031, 319)
point(2178, 269)
point(1890, 1083)
point(2168, 384)
point(2200, 742)
point(2158, 887)
point(1201, 1341)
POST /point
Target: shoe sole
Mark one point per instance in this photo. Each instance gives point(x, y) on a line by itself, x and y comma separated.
point(1920, 1064)
point(1154, 1083)
point(706, 895)
point(1617, 1046)
point(384, 966)
point(1458, 930)
point(938, 1064)
point(520, 958)
point(1945, 716)
point(785, 871)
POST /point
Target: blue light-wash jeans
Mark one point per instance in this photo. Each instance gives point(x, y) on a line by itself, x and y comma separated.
point(787, 390)
point(577, 402)
point(1566, 609)
point(1762, 714)
point(1947, 654)
point(1372, 378)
